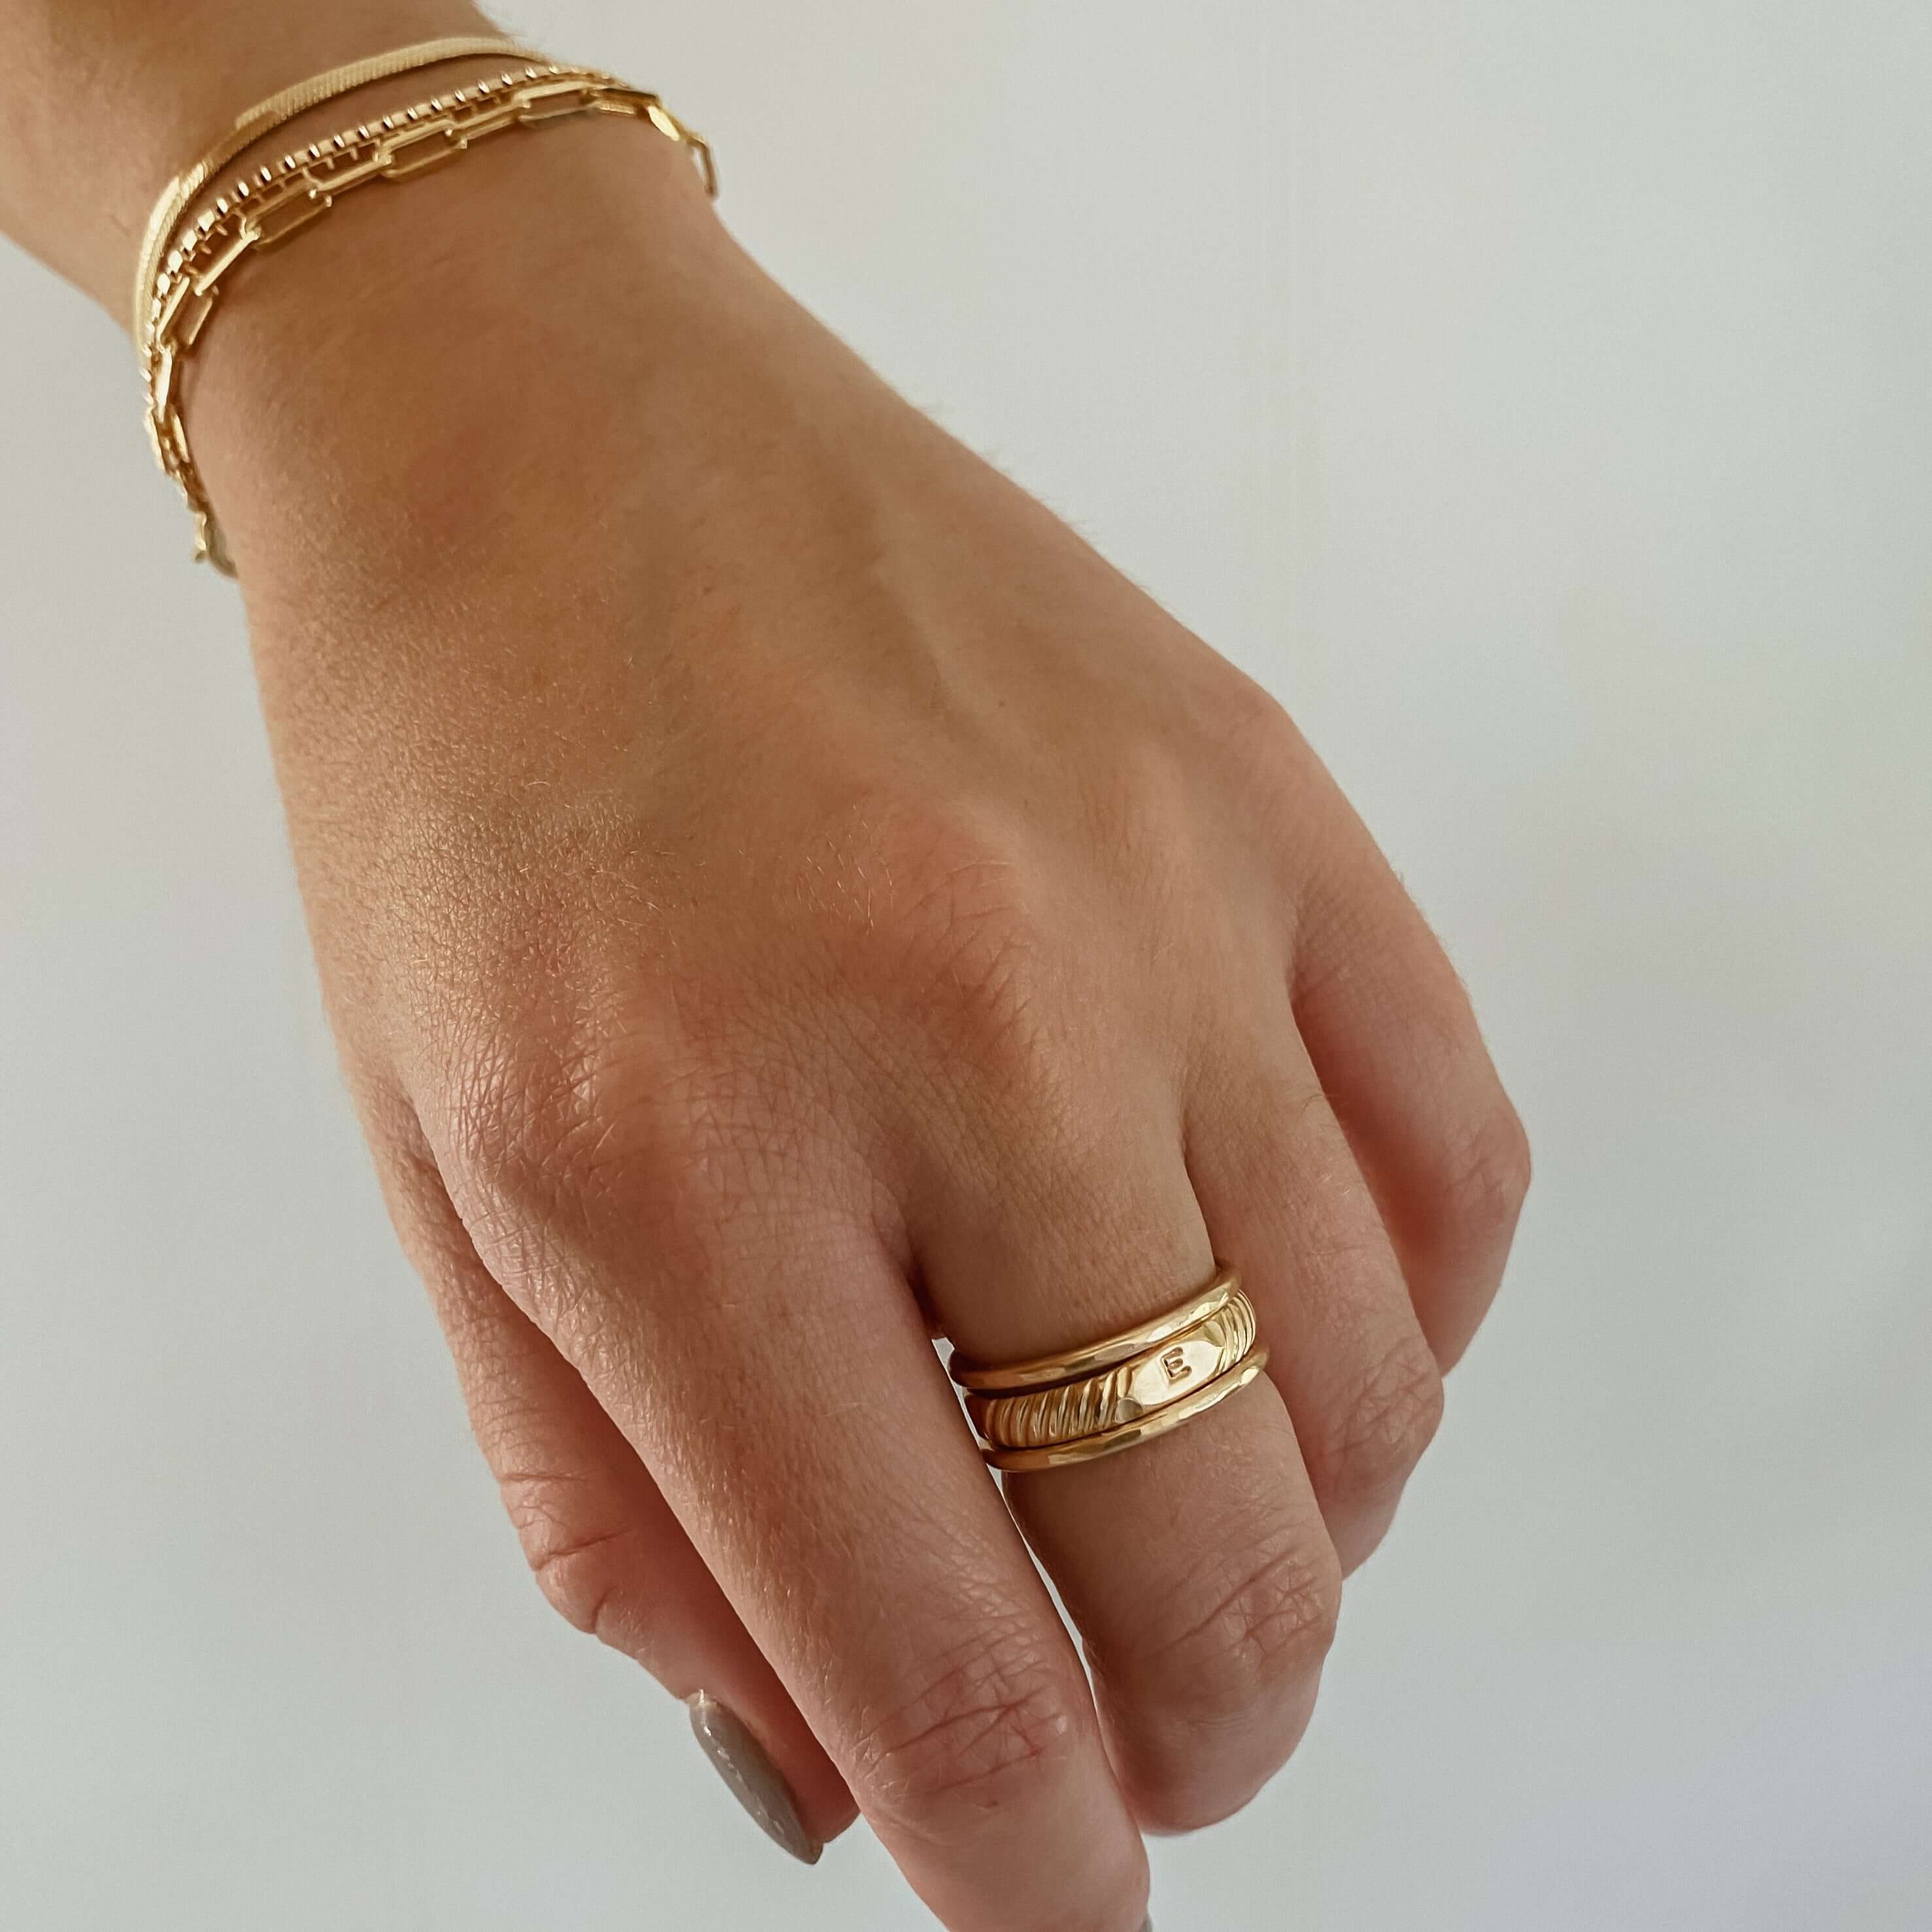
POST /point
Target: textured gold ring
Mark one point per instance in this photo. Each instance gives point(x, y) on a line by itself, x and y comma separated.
point(1115, 1394)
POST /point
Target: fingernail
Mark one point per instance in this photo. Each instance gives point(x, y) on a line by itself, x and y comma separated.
point(740, 1761)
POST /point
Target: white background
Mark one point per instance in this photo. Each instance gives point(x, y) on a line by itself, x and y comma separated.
point(1537, 395)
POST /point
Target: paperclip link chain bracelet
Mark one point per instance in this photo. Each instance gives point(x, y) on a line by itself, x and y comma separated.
point(272, 204)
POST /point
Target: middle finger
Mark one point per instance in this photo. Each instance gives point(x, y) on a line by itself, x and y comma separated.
point(1196, 1566)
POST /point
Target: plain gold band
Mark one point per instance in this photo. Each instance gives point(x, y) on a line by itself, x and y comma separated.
point(1131, 1434)
point(1045, 1371)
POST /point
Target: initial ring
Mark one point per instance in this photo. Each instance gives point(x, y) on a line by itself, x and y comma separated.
point(1117, 1393)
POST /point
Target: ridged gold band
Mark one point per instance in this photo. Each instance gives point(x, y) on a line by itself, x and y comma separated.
point(1114, 1394)
point(1036, 1418)
point(1131, 1435)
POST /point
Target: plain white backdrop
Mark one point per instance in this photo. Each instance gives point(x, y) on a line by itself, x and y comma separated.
point(1537, 396)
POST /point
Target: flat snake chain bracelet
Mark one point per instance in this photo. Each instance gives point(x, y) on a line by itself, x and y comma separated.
point(272, 204)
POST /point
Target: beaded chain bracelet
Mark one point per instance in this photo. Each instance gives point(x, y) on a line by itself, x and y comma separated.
point(184, 263)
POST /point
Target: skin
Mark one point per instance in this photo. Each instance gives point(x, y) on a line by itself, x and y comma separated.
point(781, 895)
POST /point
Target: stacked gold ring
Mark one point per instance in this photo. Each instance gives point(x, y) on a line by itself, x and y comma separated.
point(1115, 1394)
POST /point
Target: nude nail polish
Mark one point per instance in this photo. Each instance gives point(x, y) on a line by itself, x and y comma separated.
point(753, 1780)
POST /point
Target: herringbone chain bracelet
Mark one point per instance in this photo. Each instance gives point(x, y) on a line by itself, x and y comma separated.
point(273, 204)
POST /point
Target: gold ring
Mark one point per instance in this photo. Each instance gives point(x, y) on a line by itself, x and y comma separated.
point(1045, 1371)
point(1117, 1393)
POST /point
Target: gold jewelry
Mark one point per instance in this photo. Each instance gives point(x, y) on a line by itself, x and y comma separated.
point(265, 116)
point(1090, 1405)
point(1131, 1435)
point(1046, 1370)
point(271, 205)
point(1083, 1403)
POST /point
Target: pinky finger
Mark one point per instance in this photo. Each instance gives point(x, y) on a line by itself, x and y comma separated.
point(1389, 1027)
point(603, 1543)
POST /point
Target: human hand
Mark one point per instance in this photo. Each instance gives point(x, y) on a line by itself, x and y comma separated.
point(779, 893)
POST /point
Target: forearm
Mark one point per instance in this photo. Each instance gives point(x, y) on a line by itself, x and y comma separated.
point(101, 101)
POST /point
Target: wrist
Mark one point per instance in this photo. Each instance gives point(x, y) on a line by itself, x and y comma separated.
point(101, 102)
point(368, 392)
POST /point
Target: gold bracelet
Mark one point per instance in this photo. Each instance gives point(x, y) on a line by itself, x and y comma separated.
point(272, 204)
point(265, 116)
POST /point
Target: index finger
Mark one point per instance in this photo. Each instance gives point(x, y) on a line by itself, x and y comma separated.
point(778, 1381)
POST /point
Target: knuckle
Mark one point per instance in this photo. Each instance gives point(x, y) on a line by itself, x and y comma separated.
point(964, 940)
point(527, 1118)
point(1259, 720)
point(990, 1719)
point(1380, 1434)
point(549, 1131)
point(542, 1144)
point(1485, 1186)
point(1260, 744)
point(582, 1567)
point(1264, 1634)
point(567, 1148)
